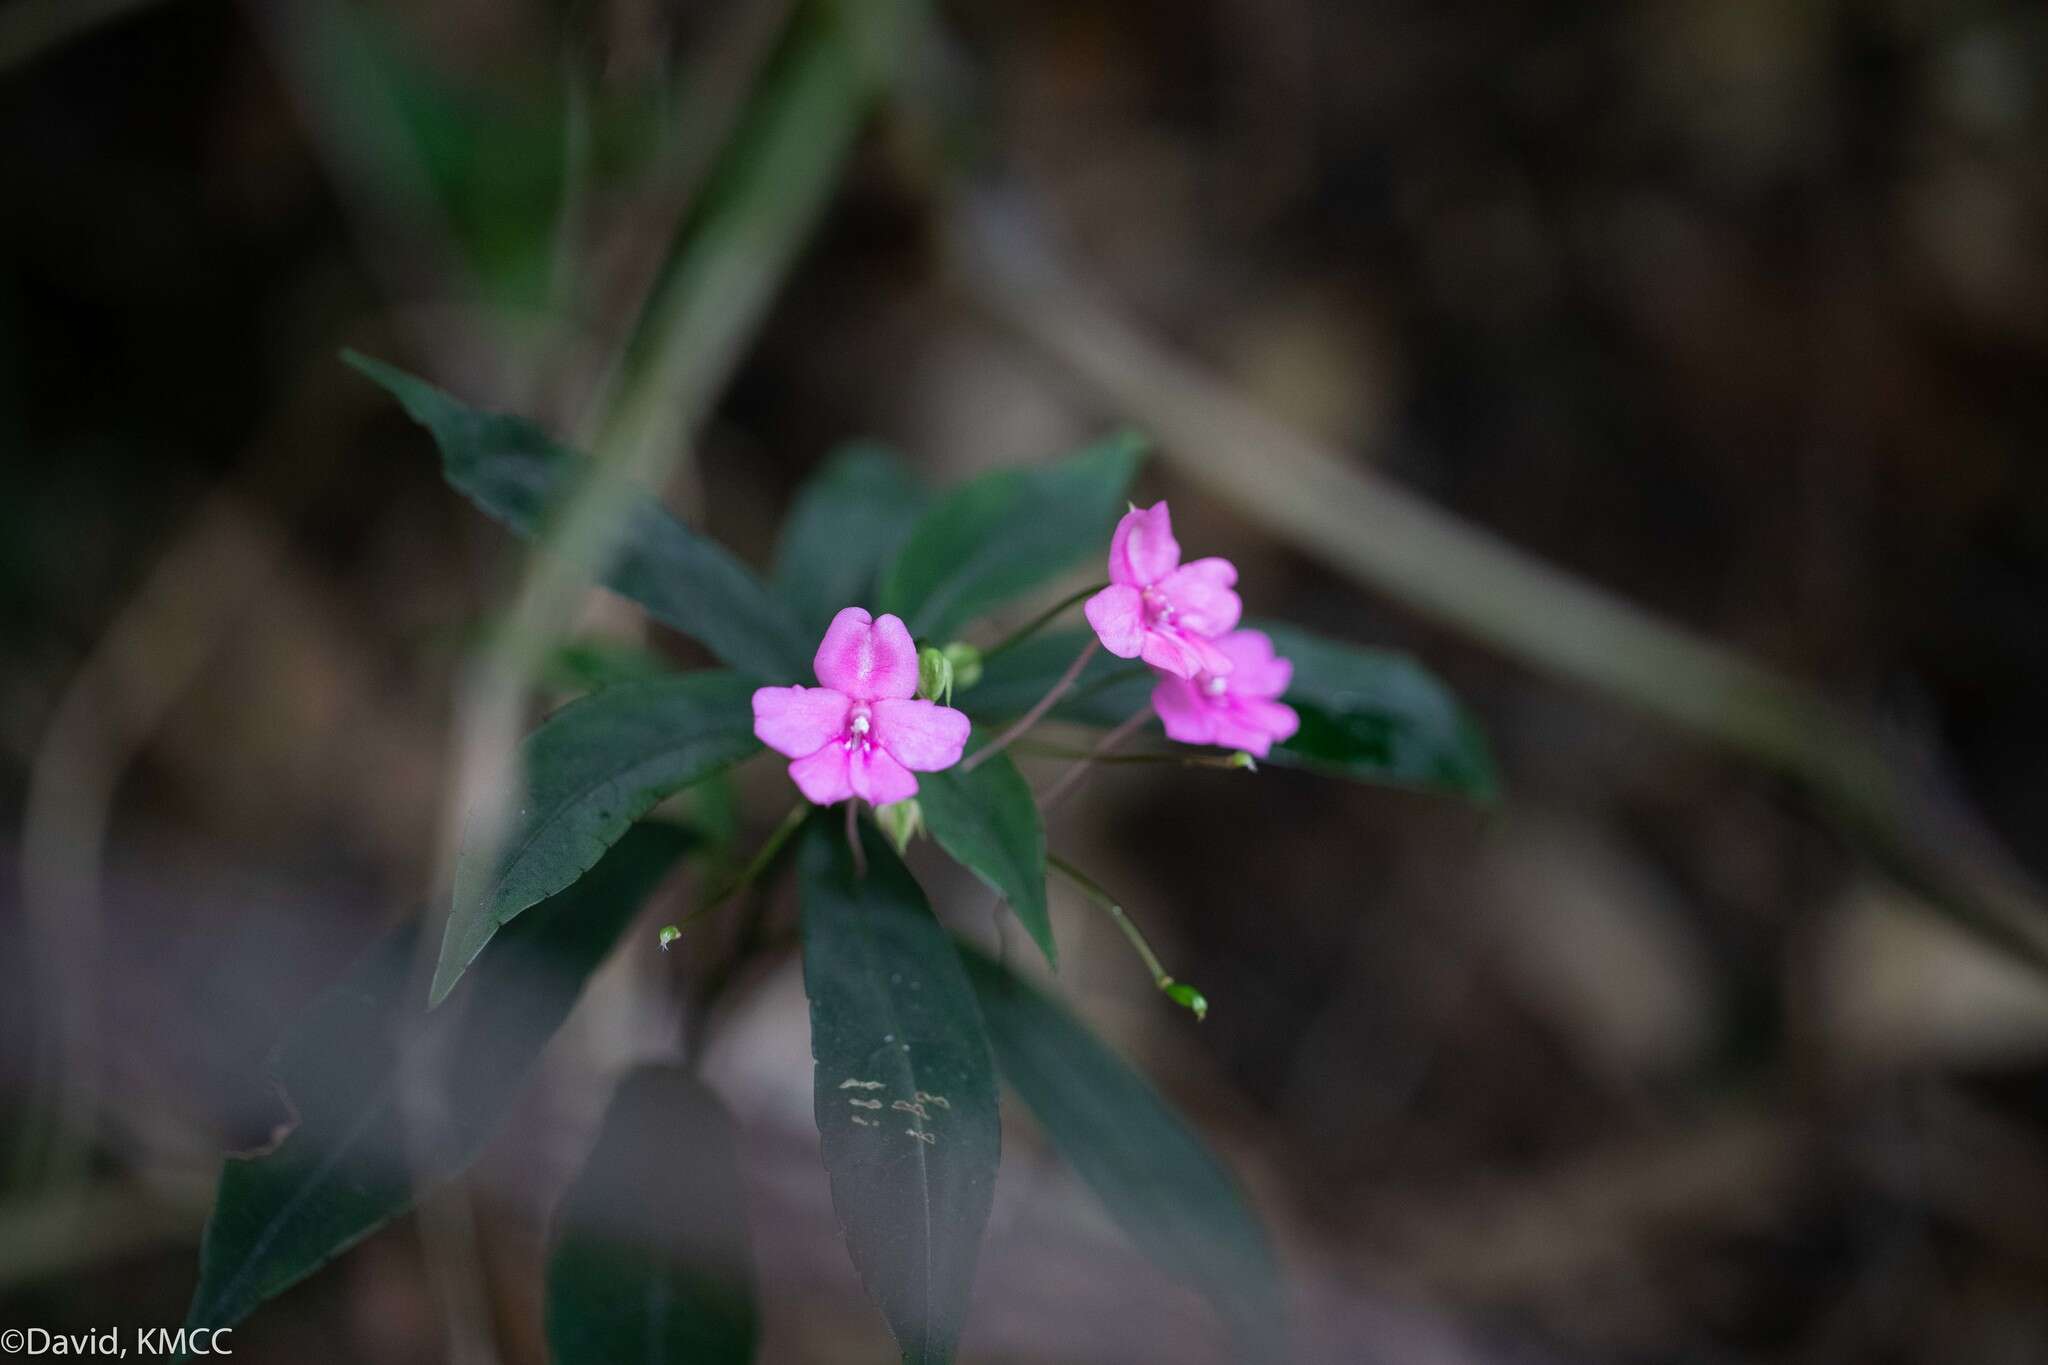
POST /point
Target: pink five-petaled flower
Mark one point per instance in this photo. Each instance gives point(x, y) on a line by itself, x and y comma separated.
point(860, 733)
point(1237, 710)
point(1156, 607)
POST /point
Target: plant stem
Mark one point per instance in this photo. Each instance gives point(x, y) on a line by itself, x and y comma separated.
point(1063, 786)
point(860, 856)
point(748, 874)
point(1040, 621)
point(1177, 991)
point(1037, 712)
point(1094, 891)
point(1227, 761)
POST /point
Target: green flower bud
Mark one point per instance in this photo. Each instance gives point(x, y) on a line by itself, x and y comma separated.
point(966, 661)
point(669, 934)
point(934, 675)
point(901, 821)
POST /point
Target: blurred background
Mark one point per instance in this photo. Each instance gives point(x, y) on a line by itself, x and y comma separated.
point(1735, 308)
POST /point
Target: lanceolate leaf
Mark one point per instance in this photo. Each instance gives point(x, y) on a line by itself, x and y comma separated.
point(518, 475)
point(344, 1170)
point(1108, 691)
point(1378, 715)
point(590, 771)
point(1006, 533)
point(988, 821)
point(1161, 1184)
point(905, 1089)
point(846, 523)
point(650, 1263)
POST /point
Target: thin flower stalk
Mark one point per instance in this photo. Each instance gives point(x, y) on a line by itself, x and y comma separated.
point(1041, 621)
point(1035, 714)
point(745, 877)
point(1179, 992)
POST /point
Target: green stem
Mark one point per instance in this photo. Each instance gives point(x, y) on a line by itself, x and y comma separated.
point(747, 875)
point(1065, 783)
point(1234, 761)
point(1093, 890)
point(1040, 621)
point(1037, 712)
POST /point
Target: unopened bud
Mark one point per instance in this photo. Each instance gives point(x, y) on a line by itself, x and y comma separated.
point(966, 661)
point(902, 821)
point(934, 675)
point(669, 934)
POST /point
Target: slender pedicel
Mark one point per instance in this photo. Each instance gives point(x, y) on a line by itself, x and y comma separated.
point(1178, 991)
point(860, 855)
point(1035, 714)
point(1041, 621)
point(1235, 762)
point(1063, 786)
point(746, 875)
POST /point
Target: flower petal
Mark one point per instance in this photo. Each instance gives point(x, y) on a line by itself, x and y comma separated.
point(877, 778)
point(921, 735)
point(823, 776)
point(1202, 599)
point(1255, 670)
point(1182, 654)
point(1186, 713)
point(867, 657)
point(1118, 615)
point(1254, 726)
point(799, 720)
point(1143, 550)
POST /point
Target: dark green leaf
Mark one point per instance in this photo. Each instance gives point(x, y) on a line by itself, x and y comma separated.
point(906, 1093)
point(1007, 532)
point(519, 476)
point(989, 822)
point(650, 1261)
point(847, 522)
point(593, 665)
point(343, 1170)
point(1378, 715)
point(1169, 1193)
point(590, 771)
point(1108, 691)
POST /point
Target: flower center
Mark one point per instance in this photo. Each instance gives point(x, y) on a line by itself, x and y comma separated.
point(1158, 610)
point(857, 728)
point(1215, 687)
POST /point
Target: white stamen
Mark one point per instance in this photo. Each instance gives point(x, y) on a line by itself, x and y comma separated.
point(1216, 687)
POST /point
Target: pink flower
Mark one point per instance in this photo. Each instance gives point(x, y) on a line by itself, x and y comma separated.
point(1156, 607)
point(1237, 709)
point(860, 733)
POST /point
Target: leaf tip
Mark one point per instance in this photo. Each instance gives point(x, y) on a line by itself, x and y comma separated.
point(445, 977)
